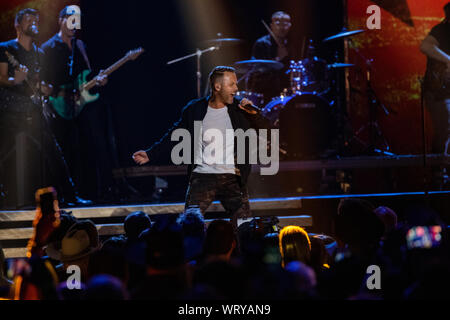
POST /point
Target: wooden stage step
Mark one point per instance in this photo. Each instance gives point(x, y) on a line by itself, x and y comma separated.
point(19, 235)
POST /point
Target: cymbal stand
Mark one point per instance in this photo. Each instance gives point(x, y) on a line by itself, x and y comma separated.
point(373, 126)
point(197, 54)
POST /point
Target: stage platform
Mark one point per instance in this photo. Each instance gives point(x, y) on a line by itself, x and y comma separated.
point(315, 213)
point(16, 228)
point(410, 160)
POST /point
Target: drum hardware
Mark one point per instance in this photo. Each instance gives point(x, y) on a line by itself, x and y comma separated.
point(338, 65)
point(343, 34)
point(305, 123)
point(256, 98)
point(217, 44)
point(197, 54)
point(249, 67)
point(222, 42)
point(309, 75)
point(257, 65)
point(373, 127)
point(342, 120)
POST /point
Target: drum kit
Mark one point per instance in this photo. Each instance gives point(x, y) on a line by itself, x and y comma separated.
point(302, 111)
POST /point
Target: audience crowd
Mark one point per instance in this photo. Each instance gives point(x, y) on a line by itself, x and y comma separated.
point(370, 255)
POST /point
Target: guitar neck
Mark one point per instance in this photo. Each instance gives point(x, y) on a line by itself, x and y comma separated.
point(16, 64)
point(108, 71)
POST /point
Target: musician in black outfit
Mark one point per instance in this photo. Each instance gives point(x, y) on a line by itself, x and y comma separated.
point(278, 49)
point(78, 137)
point(226, 182)
point(22, 125)
point(269, 48)
point(436, 46)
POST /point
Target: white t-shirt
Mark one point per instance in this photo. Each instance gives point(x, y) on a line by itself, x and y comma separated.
point(217, 143)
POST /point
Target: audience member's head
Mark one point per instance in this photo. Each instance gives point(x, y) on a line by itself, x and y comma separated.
point(71, 294)
point(135, 223)
point(344, 279)
point(224, 277)
point(77, 245)
point(305, 277)
point(34, 279)
point(67, 220)
point(110, 259)
point(164, 246)
point(319, 254)
point(251, 238)
point(357, 226)
point(220, 240)
point(105, 287)
point(388, 217)
point(193, 226)
point(294, 245)
point(4, 282)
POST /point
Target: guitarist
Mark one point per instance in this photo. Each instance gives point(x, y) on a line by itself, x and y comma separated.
point(76, 135)
point(436, 46)
point(19, 80)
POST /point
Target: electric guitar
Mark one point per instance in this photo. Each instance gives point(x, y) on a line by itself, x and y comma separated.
point(32, 84)
point(71, 98)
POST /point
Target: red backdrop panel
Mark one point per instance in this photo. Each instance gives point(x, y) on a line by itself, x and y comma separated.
point(396, 67)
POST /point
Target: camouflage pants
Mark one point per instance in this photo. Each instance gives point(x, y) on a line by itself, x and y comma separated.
point(205, 188)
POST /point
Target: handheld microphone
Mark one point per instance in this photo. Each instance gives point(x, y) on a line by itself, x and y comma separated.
point(250, 105)
point(34, 29)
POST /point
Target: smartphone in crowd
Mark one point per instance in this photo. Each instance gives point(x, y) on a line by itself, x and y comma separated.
point(424, 237)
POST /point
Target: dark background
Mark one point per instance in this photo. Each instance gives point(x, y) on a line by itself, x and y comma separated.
point(146, 95)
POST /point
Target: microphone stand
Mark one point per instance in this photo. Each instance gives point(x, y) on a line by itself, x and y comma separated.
point(197, 54)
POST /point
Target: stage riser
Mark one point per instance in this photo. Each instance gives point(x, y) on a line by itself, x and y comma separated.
point(15, 229)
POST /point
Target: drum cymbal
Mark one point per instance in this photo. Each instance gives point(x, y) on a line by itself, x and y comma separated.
point(257, 65)
point(340, 65)
point(343, 34)
point(223, 41)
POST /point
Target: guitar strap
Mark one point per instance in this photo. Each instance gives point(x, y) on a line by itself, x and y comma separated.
point(82, 49)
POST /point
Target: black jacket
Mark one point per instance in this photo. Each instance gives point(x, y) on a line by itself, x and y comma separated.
point(196, 110)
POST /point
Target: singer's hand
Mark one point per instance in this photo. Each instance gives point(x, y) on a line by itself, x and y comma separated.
point(140, 157)
point(245, 102)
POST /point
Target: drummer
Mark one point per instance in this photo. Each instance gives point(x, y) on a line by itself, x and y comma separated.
point(269, 48)
point(273, 46)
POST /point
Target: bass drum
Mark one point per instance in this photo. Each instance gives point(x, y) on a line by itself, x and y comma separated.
point(306, 125)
